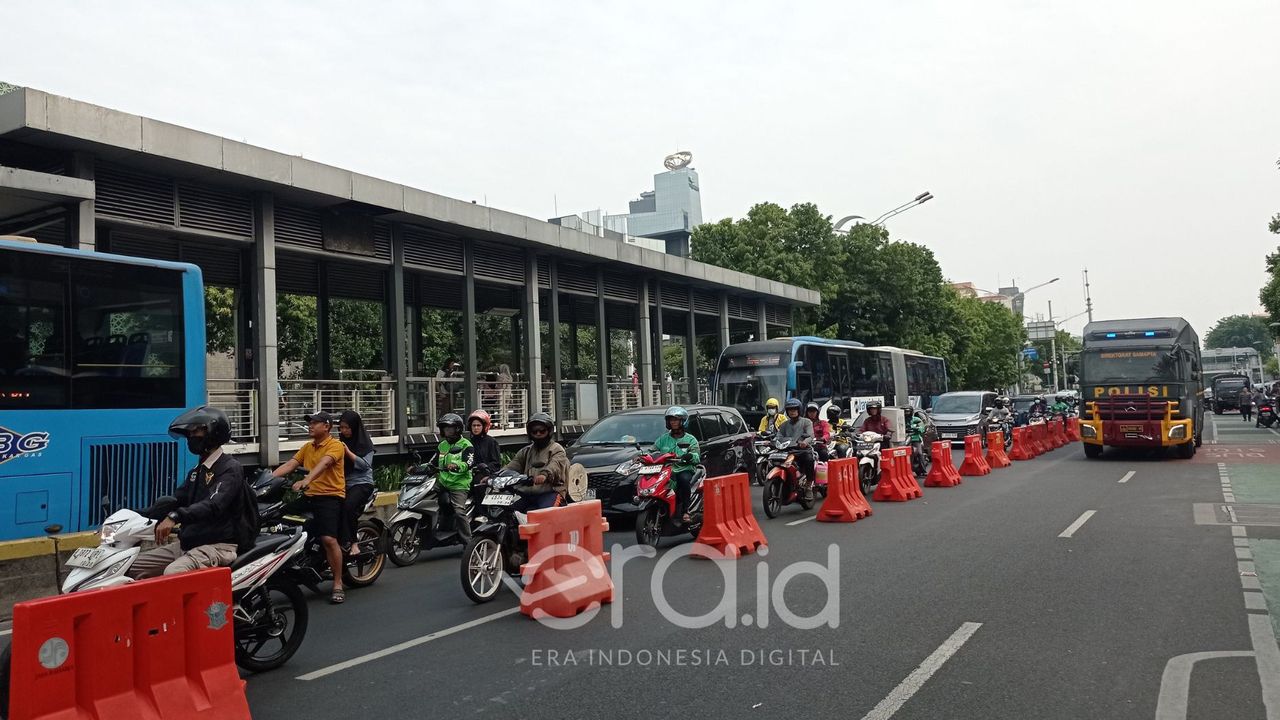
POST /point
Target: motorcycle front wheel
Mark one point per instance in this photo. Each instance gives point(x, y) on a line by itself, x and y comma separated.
point(868, 481)
point(649, 525)
point(773, 497)
point(482, 568)
point(279, 613)
point(402, 543)
point(363, 568)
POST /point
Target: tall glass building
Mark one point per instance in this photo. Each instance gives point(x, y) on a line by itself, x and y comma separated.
point(668, 213)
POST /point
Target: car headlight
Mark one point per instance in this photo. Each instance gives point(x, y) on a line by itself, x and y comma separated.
point(1178, 432)
point(627, 467)
point(1088, 431)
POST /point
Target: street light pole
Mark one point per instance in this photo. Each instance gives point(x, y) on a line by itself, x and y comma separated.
point(1014, 300)
point(1053, 350)
point(920, 199)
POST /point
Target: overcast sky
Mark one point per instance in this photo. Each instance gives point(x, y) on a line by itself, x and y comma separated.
point(1139, 139)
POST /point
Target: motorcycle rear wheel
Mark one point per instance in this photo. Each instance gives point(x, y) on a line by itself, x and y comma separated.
point(482, 568)
point(402, 543)
point(283, 598)
point(649, 525)
point(363, 569)
point(772, 498)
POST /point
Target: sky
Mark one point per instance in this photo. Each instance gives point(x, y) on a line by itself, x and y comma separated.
point(1137, 139)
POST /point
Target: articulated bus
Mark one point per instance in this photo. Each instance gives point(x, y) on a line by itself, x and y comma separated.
point(818, 369)
point(98, 353)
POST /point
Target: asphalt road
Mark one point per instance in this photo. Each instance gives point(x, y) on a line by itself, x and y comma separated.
point(967, 603)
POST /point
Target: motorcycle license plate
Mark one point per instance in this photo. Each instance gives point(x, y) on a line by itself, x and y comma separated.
point(590, 494)
point(500, 500)
point(86, 557)
point(650, 469)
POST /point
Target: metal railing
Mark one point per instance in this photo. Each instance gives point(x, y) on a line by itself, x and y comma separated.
point(430, 398)
point(506, 403)
point(625, 396)
point(239, 400)
point(373, 399)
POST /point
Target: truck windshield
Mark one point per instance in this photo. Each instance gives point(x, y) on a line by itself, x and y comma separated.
point(1129, 364)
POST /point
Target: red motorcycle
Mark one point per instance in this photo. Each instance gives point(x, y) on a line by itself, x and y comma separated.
point(782, 483)
point(656, 496)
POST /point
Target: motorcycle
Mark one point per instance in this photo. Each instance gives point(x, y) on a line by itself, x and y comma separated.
point(782, 483)
point(496, 547)
point(921, 458)
point(1266, 415)
point(842, 444)
point(422, 521)
point(763, 444)
point(868, 453)
point(269, 613)
point(656, 497)
point(365, 561)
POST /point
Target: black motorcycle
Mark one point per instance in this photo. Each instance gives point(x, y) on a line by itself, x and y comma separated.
point(311, 567)
point(496, 547)
point(1266, 415)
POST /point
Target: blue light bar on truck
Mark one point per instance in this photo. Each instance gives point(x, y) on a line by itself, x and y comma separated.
point(1130, 334)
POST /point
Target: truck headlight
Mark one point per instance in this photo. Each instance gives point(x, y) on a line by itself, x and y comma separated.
point(1178, 432)
point(1088, 431)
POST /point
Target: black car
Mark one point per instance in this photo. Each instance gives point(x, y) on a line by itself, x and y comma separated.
point(724, 441)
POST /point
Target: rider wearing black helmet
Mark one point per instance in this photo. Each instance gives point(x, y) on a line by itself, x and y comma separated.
point(209, 503)
point(800, 429)
point(455, 459)
point(544, 460)
point(876, 422)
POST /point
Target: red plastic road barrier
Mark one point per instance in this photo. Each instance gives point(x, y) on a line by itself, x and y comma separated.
point(973, 464)
point(942, 471)
point(1021, 449)
point(149, 650)
point(897, 481)
point(1073, 429)
point(995, 450)
point(728, 523)
point(1039, 446)
point(566, 572)
point(844, 502)
point(1060, 432)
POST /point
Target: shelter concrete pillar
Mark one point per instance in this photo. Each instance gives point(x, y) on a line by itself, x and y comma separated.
point(645, 345)
point(532, 333)
point(400, 365)
point(81, 220)
point(265, 359)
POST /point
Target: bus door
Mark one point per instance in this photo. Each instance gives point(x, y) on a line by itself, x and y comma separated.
point(838, 364)
point(888, 381)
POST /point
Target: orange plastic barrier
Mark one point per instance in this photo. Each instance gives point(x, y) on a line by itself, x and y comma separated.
point(973, 464)
point(728, 523)
point(1038, 435)
point(897, 481)
point(995, 450)
point(1060, 432)
point(1021, 449)
point(155, 649)
point(1073, 429)
point(844, 502)
point(566, 572)
point(942, 471)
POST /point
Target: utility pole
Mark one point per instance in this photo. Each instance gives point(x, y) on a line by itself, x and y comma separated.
point(1088, 299)
point(1053, 350)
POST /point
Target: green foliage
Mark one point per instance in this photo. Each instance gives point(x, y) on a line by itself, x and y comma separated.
point(1271, 367)
point(296, 335)
point(357, 338)
point(1241, 331)
point(388, 478)
point(220, 319)
point(441, 338)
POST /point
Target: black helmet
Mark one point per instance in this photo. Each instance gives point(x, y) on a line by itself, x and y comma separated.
point(540, 418)
point(833, 412)
point(217, 430)
point(813, 406)
point(875, 404)
point(793, 404)
point(451, 420)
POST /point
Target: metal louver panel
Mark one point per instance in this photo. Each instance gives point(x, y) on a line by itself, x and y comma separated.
point(496, 262)
point(298, 227)
point(620, 317)
point(297, 274)
point(432, 250)
point(706, 302)
point(382, 240)
point(203, 208)
point(219, 264)
point(544, 273)
point(131, 195)
point(777, 314)
point(675, 297)
point(128, 474)
point(146, 247)
point(55, 233)
point(577, 279)
point(748, 309)
point(621, 287)
point(359, 281)
point(439, 291)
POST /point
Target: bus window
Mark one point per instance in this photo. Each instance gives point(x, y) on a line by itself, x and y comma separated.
point(888, 386)
point(33, 358)
point(127, 344)
point(839, 364)
point(864, 374)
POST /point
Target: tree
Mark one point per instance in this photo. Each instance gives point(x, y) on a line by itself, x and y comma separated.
point(220, 319)
point(1241, 331)
point(296, 335)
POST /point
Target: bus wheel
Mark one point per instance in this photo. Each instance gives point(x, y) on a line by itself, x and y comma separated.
point(1092, 451)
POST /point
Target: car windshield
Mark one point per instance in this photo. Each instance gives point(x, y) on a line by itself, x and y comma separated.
point(1131, 364)
point(957, 405)
point(625, 429)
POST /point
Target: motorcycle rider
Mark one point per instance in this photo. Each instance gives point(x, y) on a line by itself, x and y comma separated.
point(209, 503)
point(325, 489)
point(488, 453)
point(772, 418)
point(876, 422)
point(545, 461)
point(915, 432)
point(676, 420)
point(821, 430)
point(456, 460)
point(1038, 408)
point(835, 419)
point(1259, 399)
point(1061, 405)
point(800, 430)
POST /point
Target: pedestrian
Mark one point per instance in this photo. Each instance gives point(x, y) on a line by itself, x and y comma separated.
point(1246, 404)
point(357, 468)
point(504, 395)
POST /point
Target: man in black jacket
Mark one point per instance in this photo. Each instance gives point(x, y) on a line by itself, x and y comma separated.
point(210, 503)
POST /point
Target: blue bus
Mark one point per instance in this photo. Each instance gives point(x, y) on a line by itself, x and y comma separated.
point(819, 369)
point(98, 353)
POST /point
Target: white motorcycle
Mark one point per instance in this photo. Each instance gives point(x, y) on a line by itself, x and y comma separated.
point(867, 450)
point(270, 615)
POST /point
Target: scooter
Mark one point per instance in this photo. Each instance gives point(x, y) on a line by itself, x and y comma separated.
point(269, 612)
point(422, 521)
point(782, 485)
point(1266, 415)
point(365, 561)
point(868, 453)
point(656, 497)
point(496, 547)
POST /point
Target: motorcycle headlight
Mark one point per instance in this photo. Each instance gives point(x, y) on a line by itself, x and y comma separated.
point(107, 534)
point(646, 492)
point(628, 467)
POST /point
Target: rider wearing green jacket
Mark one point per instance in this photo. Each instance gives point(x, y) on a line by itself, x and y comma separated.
point(676, 420)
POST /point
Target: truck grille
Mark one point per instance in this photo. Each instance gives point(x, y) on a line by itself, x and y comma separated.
point(1135, 408)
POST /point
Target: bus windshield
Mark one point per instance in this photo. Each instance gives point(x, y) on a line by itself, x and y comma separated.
point(1129, 364)
point(746, 382)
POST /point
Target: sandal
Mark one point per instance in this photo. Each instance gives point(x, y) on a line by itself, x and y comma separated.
point(337, 597)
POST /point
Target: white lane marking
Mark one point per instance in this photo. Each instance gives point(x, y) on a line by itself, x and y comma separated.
point(1240, 541)
point(1254, 601)
point(1073, 527)
point(801, 520)
point(1231, 513)
point(1267, 654)
point(1230, 497)
point(1175, 684)
point(1244, 553)
point(918, 677)
point(6, 632)
point(1213, 431)
point(322, 672)
point(1273, 432)
point(1128, 475)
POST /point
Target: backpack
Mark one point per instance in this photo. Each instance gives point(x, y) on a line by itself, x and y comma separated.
point(248, 522)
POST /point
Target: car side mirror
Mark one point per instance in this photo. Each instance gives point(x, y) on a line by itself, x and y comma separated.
point(987, 409)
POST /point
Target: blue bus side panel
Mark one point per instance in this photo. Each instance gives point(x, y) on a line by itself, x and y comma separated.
point(33, 502)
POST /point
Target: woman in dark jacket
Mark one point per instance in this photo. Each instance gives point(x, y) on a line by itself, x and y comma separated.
point(488, 454)
point(357, 467)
